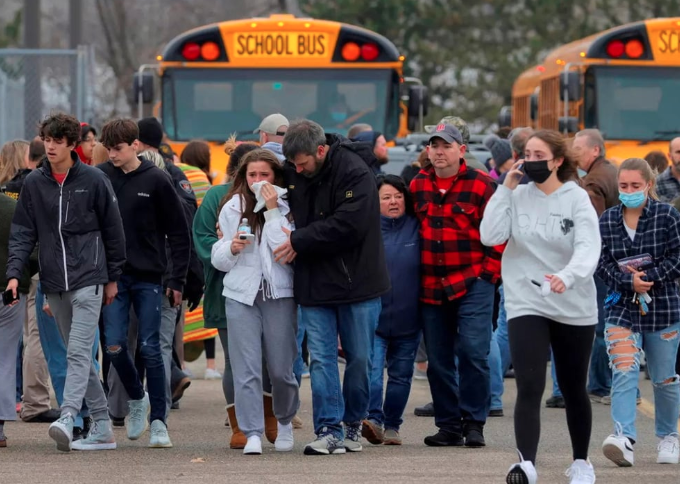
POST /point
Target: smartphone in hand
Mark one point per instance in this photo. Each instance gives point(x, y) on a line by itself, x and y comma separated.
point(8, 298)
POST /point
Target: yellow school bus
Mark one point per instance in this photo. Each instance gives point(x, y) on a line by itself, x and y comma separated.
point(226, 77)
point(623, 81)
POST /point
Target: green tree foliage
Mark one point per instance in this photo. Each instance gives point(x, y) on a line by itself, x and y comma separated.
point(470, 53)
point(10, 32)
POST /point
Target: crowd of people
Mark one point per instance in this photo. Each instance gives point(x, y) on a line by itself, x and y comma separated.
point(456, 268)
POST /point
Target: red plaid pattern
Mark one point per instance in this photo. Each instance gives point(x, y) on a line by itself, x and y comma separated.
point(452, 255)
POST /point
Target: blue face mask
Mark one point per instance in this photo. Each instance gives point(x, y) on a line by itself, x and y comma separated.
point(338, 117)
point(633, 200)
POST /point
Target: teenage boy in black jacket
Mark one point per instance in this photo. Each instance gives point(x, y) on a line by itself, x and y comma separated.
point(149, 208)
point(340, 274)
point(70, 209)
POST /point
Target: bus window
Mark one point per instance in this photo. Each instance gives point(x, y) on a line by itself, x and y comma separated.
point(210, 103)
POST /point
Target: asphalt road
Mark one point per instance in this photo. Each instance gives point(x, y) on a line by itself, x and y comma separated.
point(201, 452)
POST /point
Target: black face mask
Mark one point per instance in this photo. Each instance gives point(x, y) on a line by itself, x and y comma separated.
point(537, 171)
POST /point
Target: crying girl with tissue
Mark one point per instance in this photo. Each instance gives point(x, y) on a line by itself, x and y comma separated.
point(261, 312)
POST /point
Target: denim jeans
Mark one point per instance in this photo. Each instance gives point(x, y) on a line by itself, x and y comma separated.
point(460, 328)
point(502, 333)
point(600, 374)
point(299, 364)
point(556, 392)
point(145, 299)
point(355, 324)
point(661, 348)
point(54, 349)
point(496, 368)
point(20, 374)
point(400, 354)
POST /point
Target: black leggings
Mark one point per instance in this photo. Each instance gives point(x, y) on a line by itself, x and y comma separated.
point(530, 340)
point(209, 345)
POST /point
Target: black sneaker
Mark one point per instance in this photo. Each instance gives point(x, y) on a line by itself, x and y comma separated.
point(555, 402)
point(474, 434)
point(496, 412)
point(117, 422)
point(445, 439)
point(425, 410)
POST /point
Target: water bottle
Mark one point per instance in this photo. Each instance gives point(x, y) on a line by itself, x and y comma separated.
point(244, 227)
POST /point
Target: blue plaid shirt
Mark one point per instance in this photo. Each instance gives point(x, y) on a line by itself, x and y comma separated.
point(657, 234)
point(667, 186)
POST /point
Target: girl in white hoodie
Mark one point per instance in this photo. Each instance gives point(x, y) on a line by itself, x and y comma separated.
point(553, 246)
point(259, 299)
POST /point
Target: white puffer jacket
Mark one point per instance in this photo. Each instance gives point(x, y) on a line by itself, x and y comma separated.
point(245, 271)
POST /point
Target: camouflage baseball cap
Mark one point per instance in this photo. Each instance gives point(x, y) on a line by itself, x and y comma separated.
point(455, 121)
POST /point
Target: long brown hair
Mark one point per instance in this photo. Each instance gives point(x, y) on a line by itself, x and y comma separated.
point(12, 159)
point(197, 153)
point(568, 170)
point(240, 187)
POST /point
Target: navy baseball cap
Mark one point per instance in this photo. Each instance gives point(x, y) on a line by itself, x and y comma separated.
point(448, 133)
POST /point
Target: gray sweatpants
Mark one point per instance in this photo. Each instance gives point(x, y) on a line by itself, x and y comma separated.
point(228, 375)
point(118, 397)
point(11, 325)
point(268, 327)
point(77, 316)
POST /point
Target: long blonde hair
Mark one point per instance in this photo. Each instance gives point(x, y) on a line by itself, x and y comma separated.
point(640, 165)
point(12, 159)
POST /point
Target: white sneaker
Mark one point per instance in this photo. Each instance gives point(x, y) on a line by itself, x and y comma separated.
point(669, 452)
point(581, 472)
point(523, 472)
point(211, 374)
point(284, 438)
point(618, 449)
point(253, 446)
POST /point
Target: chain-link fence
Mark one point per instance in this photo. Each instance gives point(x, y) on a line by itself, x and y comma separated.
point(35, 82)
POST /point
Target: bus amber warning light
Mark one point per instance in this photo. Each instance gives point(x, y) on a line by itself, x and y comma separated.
point(280, 44)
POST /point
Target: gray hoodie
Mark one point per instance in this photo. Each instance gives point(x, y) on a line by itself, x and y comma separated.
point(556, 234)
point(276, 148)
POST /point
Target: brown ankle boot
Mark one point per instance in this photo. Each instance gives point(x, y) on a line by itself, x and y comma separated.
point(271, 429)
point(238, 438)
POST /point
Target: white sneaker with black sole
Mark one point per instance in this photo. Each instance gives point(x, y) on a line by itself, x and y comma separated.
point(669, 452)
point(523, 472)
point(619, 449)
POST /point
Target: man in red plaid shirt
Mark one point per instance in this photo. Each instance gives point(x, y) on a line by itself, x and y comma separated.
point(457, 288)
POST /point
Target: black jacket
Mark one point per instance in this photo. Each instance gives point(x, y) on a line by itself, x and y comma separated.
point(337, 238)
point(77, 225)
point(13, 187)
point(193, 289)
point(149, 207)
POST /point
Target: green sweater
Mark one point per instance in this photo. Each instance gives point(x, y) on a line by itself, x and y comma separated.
point(7, 207)
point(205, 236)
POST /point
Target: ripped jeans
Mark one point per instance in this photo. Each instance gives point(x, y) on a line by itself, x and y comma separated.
point(661, 347)
point(146, 300)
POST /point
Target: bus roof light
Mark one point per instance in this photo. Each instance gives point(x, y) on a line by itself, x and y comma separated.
point(634, 49)
point(369, 52)
point(351, 51)
point(615, 49)
point(210, 51)
point(191, 51)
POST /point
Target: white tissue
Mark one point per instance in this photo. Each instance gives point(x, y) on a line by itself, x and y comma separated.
point(257, 188)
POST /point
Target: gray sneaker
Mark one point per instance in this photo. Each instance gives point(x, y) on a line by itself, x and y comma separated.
point(353, 438)
point(138, 418)
point(325, 444)
point(159, 436)
point(61, 432)
point(100, 437)
point(392, 437)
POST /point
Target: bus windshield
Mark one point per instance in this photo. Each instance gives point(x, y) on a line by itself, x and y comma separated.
point(211, 104)
point(635, 103)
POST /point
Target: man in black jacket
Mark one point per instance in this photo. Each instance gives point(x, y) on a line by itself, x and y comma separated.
point(70, 209)
point(149, 207)
point(340, 274)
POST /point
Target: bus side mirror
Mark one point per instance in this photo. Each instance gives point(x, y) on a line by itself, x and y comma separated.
point(417, 97)
point(505, 117)
point(570, 82)
point(142, 87)
point(568, 124)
